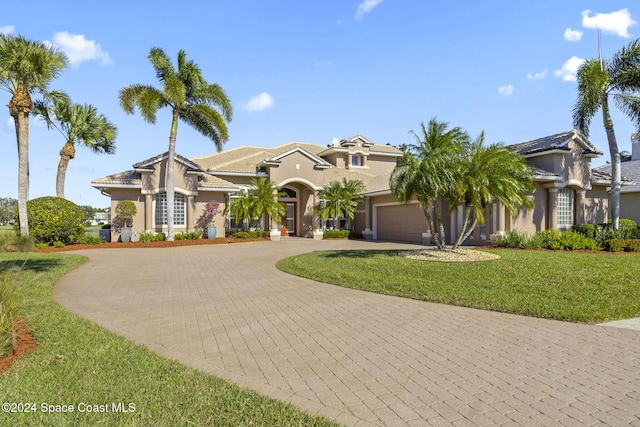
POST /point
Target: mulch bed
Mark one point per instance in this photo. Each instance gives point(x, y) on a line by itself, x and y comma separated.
point(24, 344)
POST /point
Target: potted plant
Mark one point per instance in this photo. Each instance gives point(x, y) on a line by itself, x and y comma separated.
point(211, 208)
point(125, 211)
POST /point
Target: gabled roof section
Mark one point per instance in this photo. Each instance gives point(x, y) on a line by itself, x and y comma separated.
point(318, 161)
point(558, 141)
point(245, 159)
point(146, 164)
point(353, 140)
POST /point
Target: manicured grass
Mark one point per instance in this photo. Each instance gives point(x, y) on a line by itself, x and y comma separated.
point(580, 287)
point(78, 362)
point(7, 229)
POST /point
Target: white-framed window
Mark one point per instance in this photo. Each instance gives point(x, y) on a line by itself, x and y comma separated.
point(179, 209)
point(566, 207)
point(356, 160)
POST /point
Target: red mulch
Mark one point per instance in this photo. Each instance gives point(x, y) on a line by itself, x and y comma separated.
point(164, 244)
point(24, 344)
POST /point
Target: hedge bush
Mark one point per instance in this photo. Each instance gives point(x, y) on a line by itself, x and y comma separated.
point(251, 234)
point(619, 245)
point(54, 219)
point(336, 234)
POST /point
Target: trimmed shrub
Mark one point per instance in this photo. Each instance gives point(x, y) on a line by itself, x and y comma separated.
point(58, 244)
point(42, 246)
point(548, 238)
point(633, 246)
point(614, 245)
point(89, 239)
point(511, 239)
point(570, 241)
point(251, 234)
point(193, 234)
point(54, 219)
point(150, 236)
point(336, 234)
point(587, 230)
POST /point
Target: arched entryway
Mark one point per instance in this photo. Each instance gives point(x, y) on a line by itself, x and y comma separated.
point(299, 199)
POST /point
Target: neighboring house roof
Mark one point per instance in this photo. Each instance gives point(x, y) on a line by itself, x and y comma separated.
point(630, 171)
point(558, 141)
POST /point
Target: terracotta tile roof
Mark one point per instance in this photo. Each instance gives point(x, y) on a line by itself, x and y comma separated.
point(558, 141)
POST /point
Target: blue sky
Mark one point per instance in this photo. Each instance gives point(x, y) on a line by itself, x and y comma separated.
point(315, 71)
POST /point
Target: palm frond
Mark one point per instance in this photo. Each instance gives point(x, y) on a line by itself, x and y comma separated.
point(593, 84)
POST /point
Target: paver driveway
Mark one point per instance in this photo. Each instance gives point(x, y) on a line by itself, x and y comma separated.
point(357, 357)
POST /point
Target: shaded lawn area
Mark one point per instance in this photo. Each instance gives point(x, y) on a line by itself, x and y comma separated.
point(578, 287)
point(79, 362)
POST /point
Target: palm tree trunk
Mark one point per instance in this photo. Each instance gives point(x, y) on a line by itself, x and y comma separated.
point(67, 153)
point(170, 179)
point(614, 151)
point(441, 240)
point(21, 121)
point(467, 228)
point(20, 106)
point(427, 213)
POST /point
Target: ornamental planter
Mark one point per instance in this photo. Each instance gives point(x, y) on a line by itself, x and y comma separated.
point(125, 235)
point(211, 232)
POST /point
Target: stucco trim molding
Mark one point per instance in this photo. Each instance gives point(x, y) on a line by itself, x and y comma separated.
point(301, 180)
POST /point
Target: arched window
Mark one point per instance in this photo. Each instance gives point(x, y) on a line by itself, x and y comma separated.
point(289, 193)
point(179, 209)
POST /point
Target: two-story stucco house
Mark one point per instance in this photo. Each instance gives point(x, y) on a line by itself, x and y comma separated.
point(568, 191)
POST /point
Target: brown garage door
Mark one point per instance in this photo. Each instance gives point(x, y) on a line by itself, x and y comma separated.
point(404, 223)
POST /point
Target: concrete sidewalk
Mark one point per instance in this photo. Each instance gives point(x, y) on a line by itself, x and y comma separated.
point(356, 357)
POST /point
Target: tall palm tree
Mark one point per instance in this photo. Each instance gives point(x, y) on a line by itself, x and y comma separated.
point(488, 173)
point(263, 196)
point(78, 124)
point(597, 80)
point(426, 171)
point(26, 66)
point(203, 106)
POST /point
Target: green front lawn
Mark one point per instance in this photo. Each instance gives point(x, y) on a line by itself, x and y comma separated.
point(579, 287)
point(81, 364)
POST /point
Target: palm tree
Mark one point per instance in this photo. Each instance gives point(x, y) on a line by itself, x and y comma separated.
point(338, 200)
point(203, 106)
point(488, 173)
point(77, 123)
point(426, 171)
point(263, 201)
point(26, 66)
point(597, 79)
point(240, 209)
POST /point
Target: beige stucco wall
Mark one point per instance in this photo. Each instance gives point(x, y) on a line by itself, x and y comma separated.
point(119, 194)
point(596, 205)
point(296, 167)
point(533, 220)
point(380, 165)
point(630, 206)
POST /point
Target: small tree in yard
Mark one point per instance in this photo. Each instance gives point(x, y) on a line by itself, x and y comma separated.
point(125, 211)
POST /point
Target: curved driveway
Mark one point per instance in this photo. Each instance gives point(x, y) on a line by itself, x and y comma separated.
point(357, 357)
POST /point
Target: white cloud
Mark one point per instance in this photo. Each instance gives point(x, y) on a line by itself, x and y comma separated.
point(7, 29)
point(335, 141)
point(78, 49)
point(537, 76)
point(11, 124)
point(572, 35)
point(506, 90)
point(259, 103)
point(365, 7)
point(569, 69)
point(615, 22)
